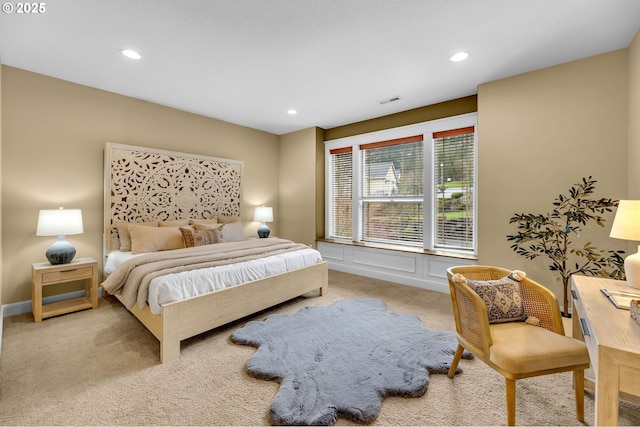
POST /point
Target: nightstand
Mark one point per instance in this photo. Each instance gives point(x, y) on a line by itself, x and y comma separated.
point(45, 274)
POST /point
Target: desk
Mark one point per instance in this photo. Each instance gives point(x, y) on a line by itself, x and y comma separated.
point(613, 340)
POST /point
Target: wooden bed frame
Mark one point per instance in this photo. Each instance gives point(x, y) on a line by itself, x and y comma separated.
point(184, 319)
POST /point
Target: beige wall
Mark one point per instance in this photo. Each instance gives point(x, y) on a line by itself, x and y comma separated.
point(633, 158)
point(541, 132)
point(1, 204)
point(52, 143)
point(301, 164)
point(320, 183)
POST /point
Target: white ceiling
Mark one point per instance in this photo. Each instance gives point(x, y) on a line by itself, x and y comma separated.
point(249, 61)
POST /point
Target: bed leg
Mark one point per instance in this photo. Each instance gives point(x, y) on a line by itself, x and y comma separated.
point(324, 289)
point(170, 342)
point(169, 350)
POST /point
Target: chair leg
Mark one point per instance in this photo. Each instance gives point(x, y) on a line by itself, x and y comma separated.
point(456, 359)
point(578, 384)
point(511, 401)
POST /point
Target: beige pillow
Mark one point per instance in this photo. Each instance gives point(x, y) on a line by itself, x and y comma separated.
point(173, 223)
point(153, 239)
point(228, 219)
point(212, 226)
point(203, 221)
point(193, 237)
point(123, 232)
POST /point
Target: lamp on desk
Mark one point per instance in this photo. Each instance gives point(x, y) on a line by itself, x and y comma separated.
point(263, 214)
point(60, 222)
point(626, 225)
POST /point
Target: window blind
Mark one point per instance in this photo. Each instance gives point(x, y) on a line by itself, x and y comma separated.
point(392, 191)
point(454, 181)
point(341, 183)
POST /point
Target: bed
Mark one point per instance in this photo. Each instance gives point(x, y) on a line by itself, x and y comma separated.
point(177, 190)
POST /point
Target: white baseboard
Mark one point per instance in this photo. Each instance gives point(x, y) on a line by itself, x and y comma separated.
point(25, 306)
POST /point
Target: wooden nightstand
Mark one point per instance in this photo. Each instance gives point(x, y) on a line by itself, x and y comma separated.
point(45, 274)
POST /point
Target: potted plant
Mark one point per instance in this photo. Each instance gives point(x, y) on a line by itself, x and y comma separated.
point(551, 235)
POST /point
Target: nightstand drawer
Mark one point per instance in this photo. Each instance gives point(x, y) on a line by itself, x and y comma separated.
point(76, 273)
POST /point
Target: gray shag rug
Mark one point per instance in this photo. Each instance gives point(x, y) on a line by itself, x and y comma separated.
point(344, 359)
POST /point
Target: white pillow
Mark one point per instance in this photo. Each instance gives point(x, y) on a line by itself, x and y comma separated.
point(232, 232)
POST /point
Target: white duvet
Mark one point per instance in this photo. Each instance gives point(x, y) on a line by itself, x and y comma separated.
point(188, 284)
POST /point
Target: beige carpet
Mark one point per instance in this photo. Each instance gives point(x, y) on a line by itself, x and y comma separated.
point(101, 367)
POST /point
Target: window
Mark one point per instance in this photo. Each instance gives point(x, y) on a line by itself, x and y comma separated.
point(454, 154)
point(416, 188)
point(391, 196)
point(340, 204)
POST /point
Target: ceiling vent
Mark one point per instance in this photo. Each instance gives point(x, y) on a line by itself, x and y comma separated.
point(386, 101)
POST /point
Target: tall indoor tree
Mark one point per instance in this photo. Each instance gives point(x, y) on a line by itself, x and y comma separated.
point(550, 235)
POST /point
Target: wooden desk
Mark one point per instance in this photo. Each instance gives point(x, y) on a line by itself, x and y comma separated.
point(613, 340)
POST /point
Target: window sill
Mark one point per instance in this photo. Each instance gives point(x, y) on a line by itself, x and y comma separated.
point(451, 254)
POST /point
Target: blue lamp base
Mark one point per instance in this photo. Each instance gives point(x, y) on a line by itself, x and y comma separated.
point(263, 231)
point(61, 252)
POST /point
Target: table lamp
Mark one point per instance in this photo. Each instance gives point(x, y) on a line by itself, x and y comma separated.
point(626, 225)
point(263, 214)
point(60, 222)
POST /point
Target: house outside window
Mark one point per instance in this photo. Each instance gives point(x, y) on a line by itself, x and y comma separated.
point(381, 179)
point(413, 186)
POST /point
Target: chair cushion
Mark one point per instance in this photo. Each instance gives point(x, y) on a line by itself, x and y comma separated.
point(521, 348)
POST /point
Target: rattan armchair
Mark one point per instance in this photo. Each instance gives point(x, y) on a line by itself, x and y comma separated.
point(516, 349)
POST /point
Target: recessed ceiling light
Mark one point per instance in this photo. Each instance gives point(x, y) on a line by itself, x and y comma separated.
point(130, 53)
point(292, 112)
point(459, 56)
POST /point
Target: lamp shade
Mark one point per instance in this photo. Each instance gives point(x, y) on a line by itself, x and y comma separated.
point(263, 214)
point(626, 225)
point(59, 222)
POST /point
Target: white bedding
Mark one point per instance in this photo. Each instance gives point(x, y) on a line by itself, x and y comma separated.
point(115, 258)
point(188, 284)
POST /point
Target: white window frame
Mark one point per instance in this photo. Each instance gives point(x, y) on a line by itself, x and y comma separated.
point(427, 129)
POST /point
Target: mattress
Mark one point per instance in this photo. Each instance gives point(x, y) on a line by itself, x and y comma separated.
point(188, 284)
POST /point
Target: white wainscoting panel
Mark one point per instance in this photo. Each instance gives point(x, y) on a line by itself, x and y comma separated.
point(387, 260)
point(437, 267)
point(408, 268)
point(333, 252)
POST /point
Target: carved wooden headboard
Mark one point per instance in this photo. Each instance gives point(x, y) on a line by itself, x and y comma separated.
point(143, 184)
